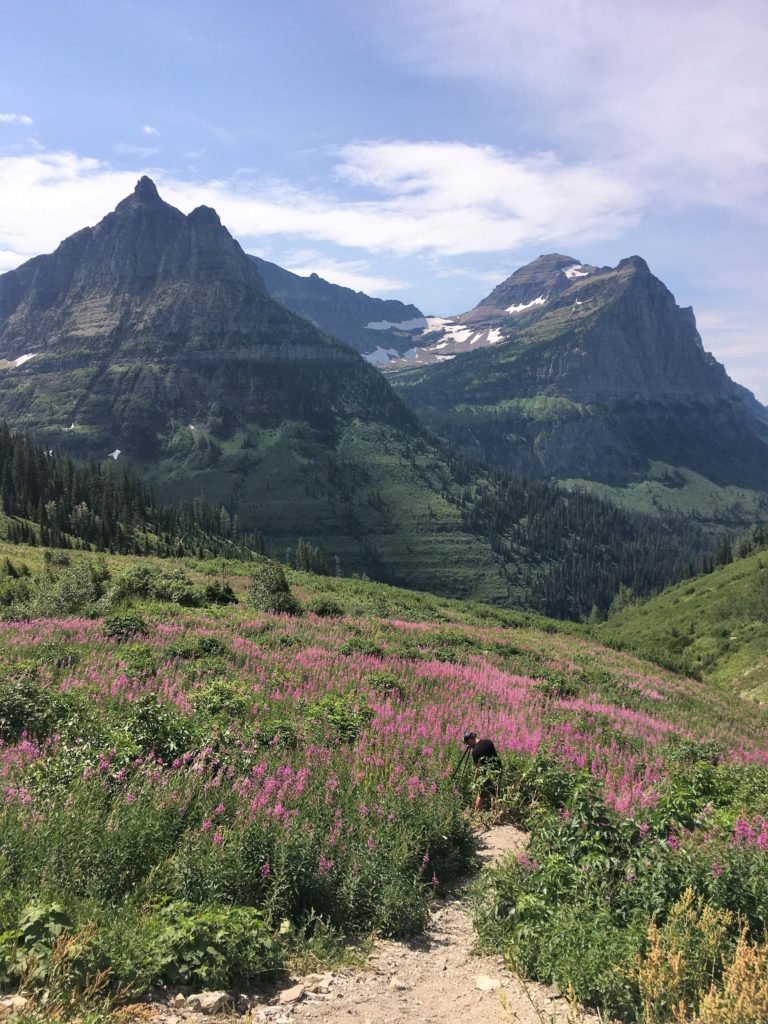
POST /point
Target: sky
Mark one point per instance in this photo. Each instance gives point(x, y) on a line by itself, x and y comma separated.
point(413, 149)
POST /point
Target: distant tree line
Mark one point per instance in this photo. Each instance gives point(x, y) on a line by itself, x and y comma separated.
point(52, 501)
point(570, 552)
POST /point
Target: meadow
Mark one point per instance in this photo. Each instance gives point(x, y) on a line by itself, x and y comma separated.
point(198, 788)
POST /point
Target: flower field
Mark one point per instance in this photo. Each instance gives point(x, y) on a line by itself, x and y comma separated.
point(190, 789)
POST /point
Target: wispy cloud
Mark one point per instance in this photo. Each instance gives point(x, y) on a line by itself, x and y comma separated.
point(677, 91)
point(15, 119)
point(354, 274)
point(428, 198)
point(149, 130)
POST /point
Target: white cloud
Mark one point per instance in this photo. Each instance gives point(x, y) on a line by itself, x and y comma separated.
point(354, 274)
point(149, 130)
point(431, 198)
point(676, 91)
point(15, 119)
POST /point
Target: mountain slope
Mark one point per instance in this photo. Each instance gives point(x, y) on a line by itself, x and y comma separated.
point(351, 316)
point(715, 625)
point(602, 379)
point(151, 338)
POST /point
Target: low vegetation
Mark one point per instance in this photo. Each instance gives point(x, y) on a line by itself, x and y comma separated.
point(197, 787)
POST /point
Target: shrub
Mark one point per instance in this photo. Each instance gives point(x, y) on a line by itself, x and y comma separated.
point(338, 718)
point(212, 946)
point(269, 591)
point(325, 607)
point(157, 727)
point(685, 956)
point(124, 625)
point(73, 589)
point(222, 697)
point(27, 707)
point(360, 645)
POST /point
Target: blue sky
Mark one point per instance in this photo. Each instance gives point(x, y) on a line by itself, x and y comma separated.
point(419, 149)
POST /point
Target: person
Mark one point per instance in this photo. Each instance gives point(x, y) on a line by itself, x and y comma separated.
point(487, 769)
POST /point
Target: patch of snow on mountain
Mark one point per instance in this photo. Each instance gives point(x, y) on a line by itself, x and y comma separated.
point(476, 338)
point(414, 353)
point(13, 364)
point(404, 325)
point(575, 271)
point(381, 356)
point(442, 359)
point(115, 454)
point(495, 336)
point(527, 305)
point(438, 323)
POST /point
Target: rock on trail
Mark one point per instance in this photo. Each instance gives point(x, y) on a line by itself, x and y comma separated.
point(429, 979)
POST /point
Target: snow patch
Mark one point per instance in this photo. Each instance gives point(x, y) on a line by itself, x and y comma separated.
point(439, 323)
point(192, 426)
point(442, 359)
point(404, 325)
point(381, 356)
point(527, 305)
point(70, 427)
point(115, 454)
point(575, 270)
point(495, 336)
point(14, 364)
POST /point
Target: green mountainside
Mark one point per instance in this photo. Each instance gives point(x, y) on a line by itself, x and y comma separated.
point(714, 626)
point(600, 380)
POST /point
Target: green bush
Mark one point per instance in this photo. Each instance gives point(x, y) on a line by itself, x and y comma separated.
point(325, 607)
point(210, 946)
point(124, 625)
point(26, 706)
point(269, 591)
point(337, 718)
point(70, 590)
point(154, 726)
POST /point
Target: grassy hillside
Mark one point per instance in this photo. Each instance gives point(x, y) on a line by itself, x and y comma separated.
point(715, 625)
point(202, 793)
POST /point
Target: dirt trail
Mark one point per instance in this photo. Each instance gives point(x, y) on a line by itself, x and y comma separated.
point(430, 979)
point(434, 977)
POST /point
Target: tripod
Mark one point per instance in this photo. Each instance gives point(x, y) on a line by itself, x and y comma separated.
point(462, 763)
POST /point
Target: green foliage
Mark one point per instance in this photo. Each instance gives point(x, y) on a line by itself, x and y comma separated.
point(26, 706)
point(157, 727)
point(124, 626)
point(325, 607)
point(209, 946)
point(222, 697)
point(338, 718)
point(69, 590)
point(269, 590)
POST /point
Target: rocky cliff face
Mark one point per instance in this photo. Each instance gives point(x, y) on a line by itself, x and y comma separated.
point(601, 376)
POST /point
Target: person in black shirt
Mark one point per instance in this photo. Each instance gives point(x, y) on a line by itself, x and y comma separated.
point(487, 769)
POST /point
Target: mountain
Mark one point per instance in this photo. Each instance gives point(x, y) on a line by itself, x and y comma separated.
point(352, 316)
point(597, 377)
point(150, 339)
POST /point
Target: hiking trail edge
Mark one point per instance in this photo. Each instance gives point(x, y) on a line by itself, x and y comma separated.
point(431, 978)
